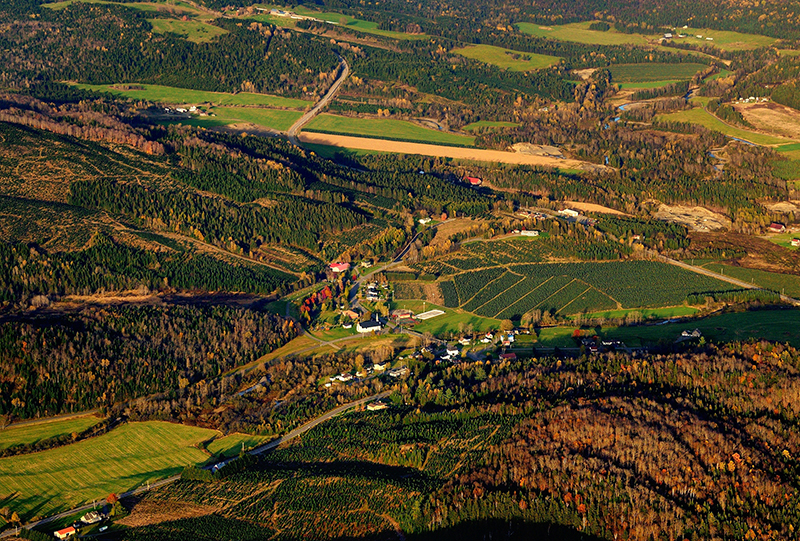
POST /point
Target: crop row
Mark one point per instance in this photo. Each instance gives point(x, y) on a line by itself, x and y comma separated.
point(492, 290)
point(468, 284)
point(450, 294)
point(591, 301)
point(565, 295)
point(541, 288)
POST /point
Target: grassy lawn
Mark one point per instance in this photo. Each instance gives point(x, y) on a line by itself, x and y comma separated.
point(580, 33)
point(27, 434)
point(276, 119)
point(174, 95)
point(489, 124)
point(385, 128)
point(704, 118)
point(195, 31)
point(774, 325)
point(783, 239)
point(651, 73)
point(231, 445)
point(450, 321)
point(506, 58)
point(335, 333)
point(61, 478)
point(728, 41)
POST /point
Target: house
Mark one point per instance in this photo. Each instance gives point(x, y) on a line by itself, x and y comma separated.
point(569, 212)
point(339, 267)
point(91, 517)
point(525, 233)
point(398, 372)
point(424, 221)
point(380, 367)
point(347, 326)
point(795, 242)
point(376, 406)
point(474, 181)
point(65, 533)
point(776, 227)
point(508, 356)
point(452, 351)
point(668, 36)
point(464, 341)
point(368, 326)
point(367, 263)
point(350, 313)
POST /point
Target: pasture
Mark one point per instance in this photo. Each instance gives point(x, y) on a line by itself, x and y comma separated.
point(489, 125)
point(26, 434)
point(231, 445)
point(580, 33)
point(453, 320)
point(385, 128)
point(704, 118)
point(275, 119)
point(195, 31)
point(184, 96)
point(650, 73)
point(788, 284)
point(722, 39)
point(506, 58)
point(64, 477)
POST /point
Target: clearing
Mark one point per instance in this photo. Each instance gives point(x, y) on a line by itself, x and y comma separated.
point(458, 153)
point(185, 96)
point(695, 218)
point(399, 130)
point(704, 118)
point(195, 31)
point(652, 73)
point(26, 434)
point(62, 478)
point(722, 39)
point(580, 33)
point(771, 117)
point(506, 58)
point(593, 207)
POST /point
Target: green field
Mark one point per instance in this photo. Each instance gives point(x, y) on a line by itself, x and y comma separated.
point(32, 433)
point(276, 119)
point(652, 84)
point(704, 118)
point(762, 324)
point(651, 73)
point(171, 6)
point(489, 124)
point(657, 313)
point(400, 130)
point(328, 151)
point(195, 31)
point(580, 33)
point(61, 478)
point(184, 96)
point(452, 321)
point(788, 284)
point(723, 39)
point(231, 445)
point(506, 58)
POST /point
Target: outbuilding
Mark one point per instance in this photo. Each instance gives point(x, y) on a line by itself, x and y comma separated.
point(66, 532)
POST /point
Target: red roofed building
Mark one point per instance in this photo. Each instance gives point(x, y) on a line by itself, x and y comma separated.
point(339, 267)
point(776, 227)
point(65, 533)
point(475, 181)
point(509, 356)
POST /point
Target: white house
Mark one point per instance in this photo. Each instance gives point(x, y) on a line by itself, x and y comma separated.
point(569, 212)
point(526, 233)
point(368, 326)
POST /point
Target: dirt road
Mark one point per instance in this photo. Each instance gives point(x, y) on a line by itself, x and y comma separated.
point(460, 153)
point(321, 104)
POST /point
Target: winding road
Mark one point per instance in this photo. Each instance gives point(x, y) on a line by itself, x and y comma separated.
point(321, 104)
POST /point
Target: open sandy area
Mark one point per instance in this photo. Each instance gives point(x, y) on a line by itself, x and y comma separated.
point(695, 218)
point(474, 154)
point(772, 118)
point(591, 207)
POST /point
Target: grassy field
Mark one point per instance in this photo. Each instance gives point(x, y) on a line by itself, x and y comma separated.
point(177, 7)
point(61, 478)
point(489, 124)
point(231, 445)
point(657, 313)
point(580, 33)
point(451, 321)
point(506, 58)
point(276, 119)
point(184, 96)
point(774, 325)
point(196, 31)
point(385, 129)
point(789, 284)
point(328, 151)
point(722, 39)
point(706, 119)
point(788, 169)
point(28, 434)
point(652, 84)
point(651, 73)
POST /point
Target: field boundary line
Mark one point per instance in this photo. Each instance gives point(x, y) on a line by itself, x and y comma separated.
point(588, 287)
point(506, 289)
point(531, 292)
point(453, 279)
point(555, 292)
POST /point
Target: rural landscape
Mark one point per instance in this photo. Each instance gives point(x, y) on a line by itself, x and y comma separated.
point(349, 270)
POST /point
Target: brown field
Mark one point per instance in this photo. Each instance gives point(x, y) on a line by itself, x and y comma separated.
point(772, 118)
point(591, 207)
point(146, 512)
point(472, 154)
point(446, 230)
point(695, 218)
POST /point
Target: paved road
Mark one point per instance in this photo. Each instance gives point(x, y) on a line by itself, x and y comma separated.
point(258, 450)
point(321, 104)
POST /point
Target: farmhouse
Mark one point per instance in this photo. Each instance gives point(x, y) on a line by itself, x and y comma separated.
point(339, 267)
point(368, 326)
point(526, 233)
point(424, 221)
point(776, 227)
point(376, 406)
point(474, 181)
point(509, 356)
point(91, 517)
point(350, 313)
point(65, 533)
point(398, 372)
point(795, 242)
point(569, 212)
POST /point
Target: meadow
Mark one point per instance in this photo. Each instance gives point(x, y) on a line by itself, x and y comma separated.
point(788, 169)
point(506, 58)
point(231, 445)
point(788, 284)
point(173, 6)
point(704, 118)
point(182, 96)
point(27, 434)
point(276, 119)
point(488, 125)
point(384, 128)
point(722, 39)
point(195, 31)
point(39, 484)
point(580, 33)
point(649, 73)
point(452, 321)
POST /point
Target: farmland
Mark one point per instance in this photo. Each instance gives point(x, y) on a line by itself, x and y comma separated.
point(722, 39)
point(789, 284)
point(648, 73)
point(704, 118)
point(580, 33)
point(126, 457)
point(276, 119)
point(178, 96)
point(386, 129)
point(507, 59)
point(27, 434)
point(171, 6)
point(195, 31)
point(453, 320)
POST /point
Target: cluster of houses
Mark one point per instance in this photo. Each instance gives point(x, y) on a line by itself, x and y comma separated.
point(369, 371)
point(92, 517)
